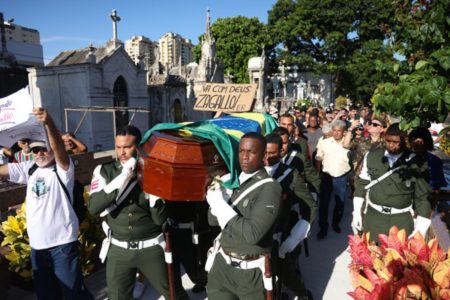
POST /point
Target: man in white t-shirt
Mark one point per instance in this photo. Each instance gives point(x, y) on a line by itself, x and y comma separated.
point(51, 221)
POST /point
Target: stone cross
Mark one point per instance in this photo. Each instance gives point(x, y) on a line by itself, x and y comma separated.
point(115, 18)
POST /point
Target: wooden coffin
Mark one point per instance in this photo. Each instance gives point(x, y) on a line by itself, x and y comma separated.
point(178, 168)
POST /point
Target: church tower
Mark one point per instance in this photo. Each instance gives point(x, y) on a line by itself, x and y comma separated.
point(209, 68)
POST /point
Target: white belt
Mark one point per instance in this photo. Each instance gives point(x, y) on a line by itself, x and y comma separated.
point(138, 245)
point(242, 264)
point(258, 263)
point(189, 225)
point(389, 210)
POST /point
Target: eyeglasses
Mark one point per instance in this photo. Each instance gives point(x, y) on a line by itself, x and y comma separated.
point(36, 150)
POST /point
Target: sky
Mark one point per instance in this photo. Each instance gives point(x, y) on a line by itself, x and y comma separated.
point(67, 25)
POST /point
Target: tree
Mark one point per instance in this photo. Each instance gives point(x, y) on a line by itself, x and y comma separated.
point(363, 74)
point(332, 36)
point(237, 40)
point(421, 91)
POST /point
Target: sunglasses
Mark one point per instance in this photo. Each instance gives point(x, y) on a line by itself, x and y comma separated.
point(36, 150)
point(374, 124)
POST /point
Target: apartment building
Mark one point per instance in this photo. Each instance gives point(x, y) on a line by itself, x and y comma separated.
point(141, 48)
point(173, 47)
point(22, 42)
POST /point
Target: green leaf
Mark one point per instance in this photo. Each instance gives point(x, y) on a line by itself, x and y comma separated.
point(420, 64)
point(416, 122)
point(447, 96)
point(444, 62)
point(396, 68)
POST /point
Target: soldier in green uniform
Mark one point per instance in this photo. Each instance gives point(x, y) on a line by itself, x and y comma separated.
point(191, 237)
point(294, 222)
point(133, 223)
point(287, 121)
point(394, 183)
point(359, 147)
point(293, 157)
point(247, 221)
point(294, 146)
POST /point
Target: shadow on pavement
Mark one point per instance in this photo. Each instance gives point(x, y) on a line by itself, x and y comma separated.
point(325, 270)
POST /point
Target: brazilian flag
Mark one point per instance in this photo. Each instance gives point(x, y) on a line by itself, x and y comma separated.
point(225, 133)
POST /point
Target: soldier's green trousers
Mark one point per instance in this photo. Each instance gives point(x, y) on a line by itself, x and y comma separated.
point(226, 282)
point(376, 223)
point(287, 272)
point(123, 264)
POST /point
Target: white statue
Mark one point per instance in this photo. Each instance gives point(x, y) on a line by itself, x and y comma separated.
point(308, 89)
point(322, 87)
point(301, 89)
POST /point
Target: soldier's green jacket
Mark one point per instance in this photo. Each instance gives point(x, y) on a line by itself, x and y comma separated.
point(300, 162)
point(303, 144)
point(133, 219)
point(401, 189)
point(294, 191)
point(359, 148)
point(251, 231)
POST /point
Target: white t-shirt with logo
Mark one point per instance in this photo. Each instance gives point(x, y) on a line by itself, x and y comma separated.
point(51, 220)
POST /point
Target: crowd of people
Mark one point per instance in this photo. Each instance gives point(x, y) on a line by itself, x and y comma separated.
point(288, 178)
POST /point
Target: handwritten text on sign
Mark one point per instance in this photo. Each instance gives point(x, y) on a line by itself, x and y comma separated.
point(225, 97)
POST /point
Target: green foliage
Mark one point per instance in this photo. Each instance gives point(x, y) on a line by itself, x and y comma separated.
point(303, 102)
point(237, 40)
point(90, 236)
point(16, 239)
point(341, 102)
point(420, 91)
point(197, 51)
point(341, 37)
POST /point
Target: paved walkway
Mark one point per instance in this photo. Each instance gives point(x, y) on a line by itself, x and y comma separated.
point(325, 270)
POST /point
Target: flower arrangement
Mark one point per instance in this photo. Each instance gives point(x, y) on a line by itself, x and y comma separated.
point(16, 239)
point(444, 143)
point(303, 102)
point(341, 102)
point(399, 268)
point(90, 236)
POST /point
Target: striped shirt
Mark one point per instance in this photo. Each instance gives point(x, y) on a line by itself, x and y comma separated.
point(20, 156)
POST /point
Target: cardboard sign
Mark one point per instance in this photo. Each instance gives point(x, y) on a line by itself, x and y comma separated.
point(225, 97)
point(17, 121)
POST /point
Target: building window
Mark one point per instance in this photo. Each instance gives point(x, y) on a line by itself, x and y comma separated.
point(120, 92)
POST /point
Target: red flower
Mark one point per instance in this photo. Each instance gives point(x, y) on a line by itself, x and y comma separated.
point(398, 268)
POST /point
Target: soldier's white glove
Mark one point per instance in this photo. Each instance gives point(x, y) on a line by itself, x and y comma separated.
point(298, 233)
point(314, 195)
point(217, 200)
point(421, 225)
point(357, 214)
point(152, 199)
point(126, 174)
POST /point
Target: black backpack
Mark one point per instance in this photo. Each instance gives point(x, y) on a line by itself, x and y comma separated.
point(78, 190)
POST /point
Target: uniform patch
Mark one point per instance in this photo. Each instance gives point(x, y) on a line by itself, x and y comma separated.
point(245, 203)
